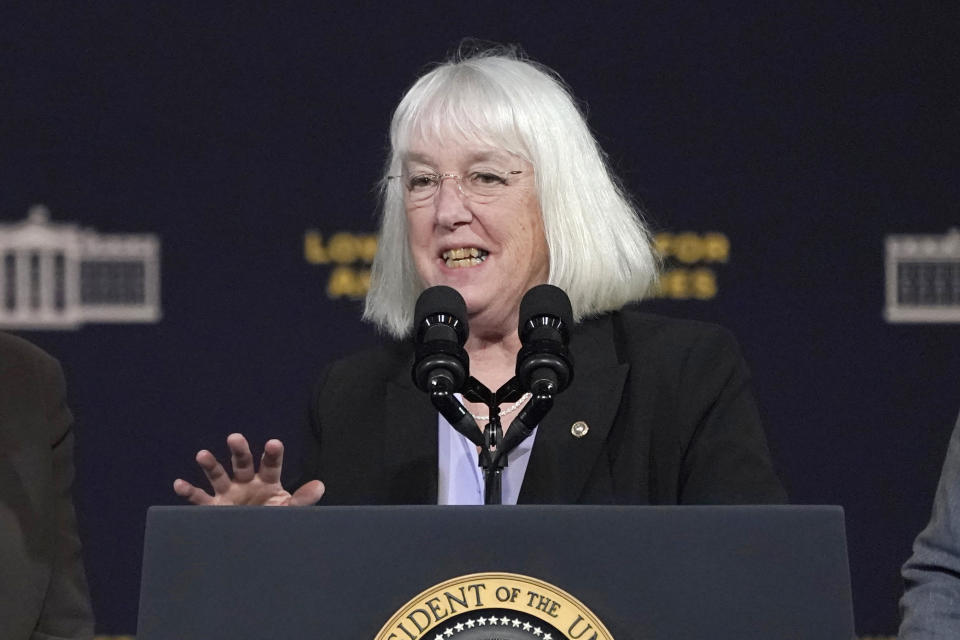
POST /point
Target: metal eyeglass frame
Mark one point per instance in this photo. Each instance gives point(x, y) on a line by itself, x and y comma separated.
point(440, 177)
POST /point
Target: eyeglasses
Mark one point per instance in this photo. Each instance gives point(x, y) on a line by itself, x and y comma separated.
point(482, 185)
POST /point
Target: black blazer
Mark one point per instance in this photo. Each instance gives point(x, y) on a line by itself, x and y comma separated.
point(670, 413)
point(43, 592)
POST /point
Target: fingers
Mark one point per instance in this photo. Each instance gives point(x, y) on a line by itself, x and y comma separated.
point(272, 462)
point(240, 457)
point(218, 478)
point(186, 490)
point(244, 473)
point(308, 494)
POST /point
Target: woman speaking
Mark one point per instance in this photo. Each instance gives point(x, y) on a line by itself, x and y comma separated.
point(494, 185)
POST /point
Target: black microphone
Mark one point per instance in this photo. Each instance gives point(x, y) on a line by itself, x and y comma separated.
point(440, 330)
point(544, 365)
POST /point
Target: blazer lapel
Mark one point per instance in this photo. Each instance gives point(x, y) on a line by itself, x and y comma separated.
point(410, 442)
point(560, 463)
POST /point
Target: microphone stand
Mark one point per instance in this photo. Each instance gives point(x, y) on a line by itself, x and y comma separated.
point(496, 459)
point(493, 445)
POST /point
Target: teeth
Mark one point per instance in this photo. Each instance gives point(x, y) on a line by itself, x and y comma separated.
point(463, 262)
point(464, 257)
point(466, 252)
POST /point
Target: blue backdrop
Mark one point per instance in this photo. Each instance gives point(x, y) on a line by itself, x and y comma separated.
point(248, 136)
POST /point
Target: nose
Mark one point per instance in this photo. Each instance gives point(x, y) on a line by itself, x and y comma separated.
point(452, 207)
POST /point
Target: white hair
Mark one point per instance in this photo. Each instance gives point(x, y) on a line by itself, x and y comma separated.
point(600, 250)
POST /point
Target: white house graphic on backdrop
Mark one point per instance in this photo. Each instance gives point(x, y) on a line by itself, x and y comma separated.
point(923, 277)
point(60, 275)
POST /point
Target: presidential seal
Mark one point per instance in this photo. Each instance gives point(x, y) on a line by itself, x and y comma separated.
point(494, 606)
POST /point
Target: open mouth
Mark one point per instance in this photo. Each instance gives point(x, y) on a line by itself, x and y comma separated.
point(465, 257)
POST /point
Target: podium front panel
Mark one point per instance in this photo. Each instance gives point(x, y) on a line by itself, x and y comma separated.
point(648, 573)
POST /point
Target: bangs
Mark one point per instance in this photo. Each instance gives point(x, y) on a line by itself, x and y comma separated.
point(459, 105)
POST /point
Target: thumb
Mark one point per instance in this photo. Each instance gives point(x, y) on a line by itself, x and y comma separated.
point(308, 494)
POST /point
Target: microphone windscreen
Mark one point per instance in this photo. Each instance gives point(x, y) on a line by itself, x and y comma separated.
point(546, 300)
point(439, 300)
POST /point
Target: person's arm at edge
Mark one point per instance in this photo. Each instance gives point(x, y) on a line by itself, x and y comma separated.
point(66, 610)
point(931, 602)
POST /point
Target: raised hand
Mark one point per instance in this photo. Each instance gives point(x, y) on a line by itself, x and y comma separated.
point(248, 485)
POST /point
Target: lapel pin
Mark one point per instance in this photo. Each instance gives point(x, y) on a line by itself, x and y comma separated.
point(579, 429)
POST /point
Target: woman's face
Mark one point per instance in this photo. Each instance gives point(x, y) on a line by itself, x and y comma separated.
point(490, 249)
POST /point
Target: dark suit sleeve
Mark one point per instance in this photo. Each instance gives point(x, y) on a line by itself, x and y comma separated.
point(727, 460)
point(66, 609)
point(309, 462)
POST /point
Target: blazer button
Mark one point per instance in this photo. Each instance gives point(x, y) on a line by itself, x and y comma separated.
point(579, 429)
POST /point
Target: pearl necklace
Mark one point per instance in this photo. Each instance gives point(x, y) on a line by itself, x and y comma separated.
point(503, 412)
